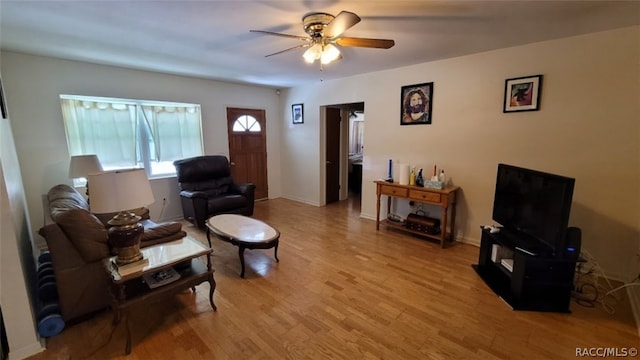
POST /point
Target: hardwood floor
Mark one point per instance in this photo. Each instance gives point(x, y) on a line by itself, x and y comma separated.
point(343, 290)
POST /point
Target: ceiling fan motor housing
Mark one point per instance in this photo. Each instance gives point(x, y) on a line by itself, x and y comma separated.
point(314, 23)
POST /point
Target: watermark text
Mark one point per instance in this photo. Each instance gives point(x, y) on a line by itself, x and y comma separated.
point(604, 352)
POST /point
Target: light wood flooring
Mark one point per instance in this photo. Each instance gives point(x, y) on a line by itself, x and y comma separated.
point(343, 290)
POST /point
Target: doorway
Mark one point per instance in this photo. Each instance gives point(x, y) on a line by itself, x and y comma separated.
point(343, 166)
point(247, 133)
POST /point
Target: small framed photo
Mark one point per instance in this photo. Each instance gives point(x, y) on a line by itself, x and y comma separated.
point(297, 113)
point(522, 94)
point(416, 104)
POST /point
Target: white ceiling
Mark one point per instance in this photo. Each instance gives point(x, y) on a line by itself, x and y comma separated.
point(211, 39)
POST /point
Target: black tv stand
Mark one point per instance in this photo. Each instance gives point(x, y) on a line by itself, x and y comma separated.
point(513, 240)
point(537, 280)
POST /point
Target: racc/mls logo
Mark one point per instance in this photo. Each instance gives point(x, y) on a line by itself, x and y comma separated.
point(607, 352)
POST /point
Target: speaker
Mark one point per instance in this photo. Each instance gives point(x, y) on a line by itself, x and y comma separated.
point(573, 242)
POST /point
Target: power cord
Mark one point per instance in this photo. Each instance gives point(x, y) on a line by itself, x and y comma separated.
point(164, 203)
point(582, 297)
point(609, 308)
point(597, 271)
point(587, 292)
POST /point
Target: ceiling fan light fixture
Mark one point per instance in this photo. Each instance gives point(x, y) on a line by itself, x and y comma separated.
point(313, 53)
point(330, 53)
point(324, 32)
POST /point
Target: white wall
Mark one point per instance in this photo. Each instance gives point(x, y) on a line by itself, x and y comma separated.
point(17, 264)
point(587, 128)
point(33, 85)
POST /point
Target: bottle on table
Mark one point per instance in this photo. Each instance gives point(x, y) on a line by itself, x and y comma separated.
point(420, 179)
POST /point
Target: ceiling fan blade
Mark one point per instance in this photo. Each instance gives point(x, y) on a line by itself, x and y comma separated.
point(303, 38)
point(363, 42)
point(289, 49)
point(340, 24)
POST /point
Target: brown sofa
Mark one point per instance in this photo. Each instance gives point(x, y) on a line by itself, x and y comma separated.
point(78, 242)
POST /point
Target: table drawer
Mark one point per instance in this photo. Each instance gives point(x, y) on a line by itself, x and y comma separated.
point(394, 191)
point(425, 196)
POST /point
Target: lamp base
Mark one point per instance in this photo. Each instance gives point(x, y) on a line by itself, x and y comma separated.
point(125, 240)
point(127, 255)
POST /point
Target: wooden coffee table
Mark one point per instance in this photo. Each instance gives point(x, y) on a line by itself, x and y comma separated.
point(243, 232)
point(182, 255)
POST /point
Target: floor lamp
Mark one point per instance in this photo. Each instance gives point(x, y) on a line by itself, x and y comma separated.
point(81, 166)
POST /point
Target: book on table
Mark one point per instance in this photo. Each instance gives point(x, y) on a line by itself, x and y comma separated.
point(130, 268)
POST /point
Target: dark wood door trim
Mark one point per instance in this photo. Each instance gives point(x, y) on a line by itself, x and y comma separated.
point(248, 150)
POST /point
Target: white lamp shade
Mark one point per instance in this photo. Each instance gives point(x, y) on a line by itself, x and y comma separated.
point(82, 165)
point(330, 53)
point(326, 53)
point(313, 53)
point(119, 190)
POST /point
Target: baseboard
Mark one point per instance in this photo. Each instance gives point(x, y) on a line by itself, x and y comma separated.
point(464, 240)
point(300, 200)
point(368, 216)
point(634, 300)
point(26, 351)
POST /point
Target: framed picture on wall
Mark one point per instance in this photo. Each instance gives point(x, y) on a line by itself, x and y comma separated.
point(297, 113)
point(416, 104)
point(522, 94)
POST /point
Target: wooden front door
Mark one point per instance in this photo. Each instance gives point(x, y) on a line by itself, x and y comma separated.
point(332, 190)
point(248, 148)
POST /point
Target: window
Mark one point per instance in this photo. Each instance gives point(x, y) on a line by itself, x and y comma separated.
point(132, 133)
point(246, 123)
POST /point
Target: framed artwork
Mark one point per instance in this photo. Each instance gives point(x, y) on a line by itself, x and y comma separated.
point(416, 104)
point(297, 113)
point(522, 94)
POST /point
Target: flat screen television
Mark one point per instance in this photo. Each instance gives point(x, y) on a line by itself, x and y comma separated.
point(534, 206)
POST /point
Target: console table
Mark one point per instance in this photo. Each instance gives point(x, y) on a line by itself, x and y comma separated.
point(445, 198)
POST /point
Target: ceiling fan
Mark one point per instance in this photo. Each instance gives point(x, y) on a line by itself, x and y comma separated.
point(324, 32)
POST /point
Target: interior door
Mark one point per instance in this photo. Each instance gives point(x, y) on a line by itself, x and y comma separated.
point(332, 191)
point(248, 148)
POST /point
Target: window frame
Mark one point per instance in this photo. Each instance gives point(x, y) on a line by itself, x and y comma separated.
point(144, 137)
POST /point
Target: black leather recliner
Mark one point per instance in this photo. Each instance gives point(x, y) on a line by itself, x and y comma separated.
point(207, 189)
